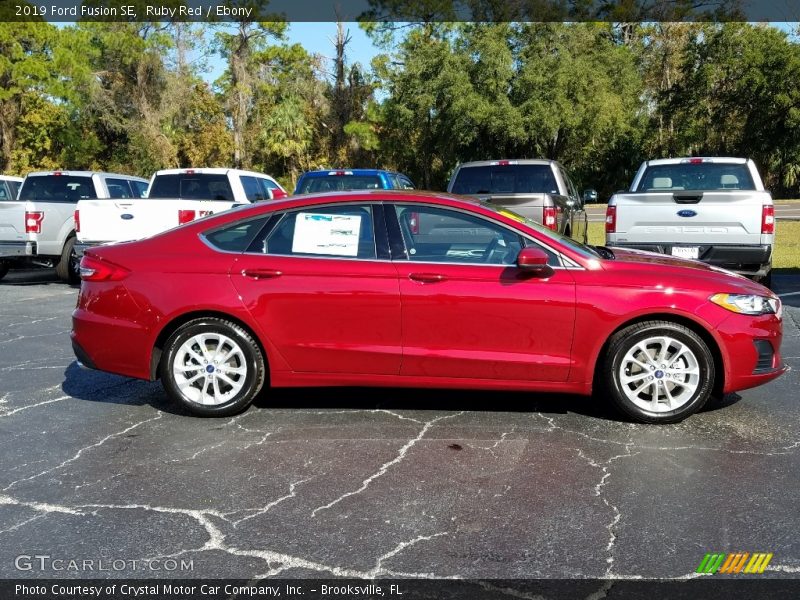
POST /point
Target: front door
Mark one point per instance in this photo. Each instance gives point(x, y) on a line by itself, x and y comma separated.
point(468, 311)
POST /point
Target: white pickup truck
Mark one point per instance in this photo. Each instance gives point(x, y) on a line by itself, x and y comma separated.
point(712, 209)
point(175, 197)
point(36, 226)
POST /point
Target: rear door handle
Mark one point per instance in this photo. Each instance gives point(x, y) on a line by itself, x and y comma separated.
point(427, 277)
point(261, 273)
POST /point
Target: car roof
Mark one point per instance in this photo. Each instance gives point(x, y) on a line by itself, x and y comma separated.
point(85, 174)
point(714, 159)
point(410, 196)
point(511, 161)
point(10, 178)
point(326, 172)
point(210, 171)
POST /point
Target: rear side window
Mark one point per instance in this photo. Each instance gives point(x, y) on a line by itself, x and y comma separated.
point(192, 186)
point(339, 183)
point(405, 183)
point(696, 176)
point(13, 187)
point(139, 188)
point(236, 237)
point(5, 192)
point(343, 231)
point(57, 188)
point(118, 188)
point(507, 179)
point(253, 189)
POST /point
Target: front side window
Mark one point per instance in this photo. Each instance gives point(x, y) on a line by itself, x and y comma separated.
point(252, 189)
point(139, 188)
point(341, 231)
point(441, 235)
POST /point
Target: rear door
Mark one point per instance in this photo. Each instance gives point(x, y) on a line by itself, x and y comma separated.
point(323, 290)
point(468, 311)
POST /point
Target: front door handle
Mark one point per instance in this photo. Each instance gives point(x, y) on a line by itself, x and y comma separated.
point(261, 273)
point(427, 277)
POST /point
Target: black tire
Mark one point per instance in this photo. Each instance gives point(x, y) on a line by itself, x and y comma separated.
point(68, 266)
point(4, 266)
point(697, 356)
point(251, 359)
point(766, 280)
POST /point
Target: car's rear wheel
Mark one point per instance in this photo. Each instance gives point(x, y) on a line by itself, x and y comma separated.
point(68, 266)
point(658, 372)
point(213, 367)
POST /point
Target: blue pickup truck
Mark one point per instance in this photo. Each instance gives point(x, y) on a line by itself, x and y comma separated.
point(338, 180)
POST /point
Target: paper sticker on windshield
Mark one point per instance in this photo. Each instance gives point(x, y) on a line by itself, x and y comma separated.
point(336, 235)
point(511, 215)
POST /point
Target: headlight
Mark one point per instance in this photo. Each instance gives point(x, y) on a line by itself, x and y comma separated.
point(747, 304)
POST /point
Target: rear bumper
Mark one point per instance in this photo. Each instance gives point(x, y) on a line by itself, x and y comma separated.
point(17, 249)
point(747, 260)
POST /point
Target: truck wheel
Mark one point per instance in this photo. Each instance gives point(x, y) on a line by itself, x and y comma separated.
point(212, 367)
point(3, 268)
point(658, 372)
point(68, 266)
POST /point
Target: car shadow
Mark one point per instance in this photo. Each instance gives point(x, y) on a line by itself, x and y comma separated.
point(26, 277)
point(96, 386)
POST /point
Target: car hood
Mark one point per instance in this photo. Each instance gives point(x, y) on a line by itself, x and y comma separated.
point(695, 270)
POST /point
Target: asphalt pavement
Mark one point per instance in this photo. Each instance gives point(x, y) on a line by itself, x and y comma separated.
point(376, 482)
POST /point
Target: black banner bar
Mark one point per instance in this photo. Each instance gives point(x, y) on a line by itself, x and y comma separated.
point(711, 587)
point(400, 10)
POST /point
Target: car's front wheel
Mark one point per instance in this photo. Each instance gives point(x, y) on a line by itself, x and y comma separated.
point(213, 367)
point(658, 372)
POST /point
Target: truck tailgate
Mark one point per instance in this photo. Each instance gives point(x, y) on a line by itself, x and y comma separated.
point(690, 217)
point(109, 220)
point(12, 221)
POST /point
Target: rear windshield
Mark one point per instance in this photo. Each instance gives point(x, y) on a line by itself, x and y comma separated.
point(508, 179)
point(700, 176)
point(57, 188)
point(192, 186)
point(338, 183)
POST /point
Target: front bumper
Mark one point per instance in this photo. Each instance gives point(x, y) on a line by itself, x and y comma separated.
point(751, 350)
point(754, 261)
point(17, 249)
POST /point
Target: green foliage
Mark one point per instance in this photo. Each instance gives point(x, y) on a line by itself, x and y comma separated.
point(599, 97)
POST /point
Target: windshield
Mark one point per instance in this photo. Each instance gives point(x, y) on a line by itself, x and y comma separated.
point(696, 176)
point(582, 249)
point(192, 186)
point(57, 188)
point(338, 183)
point(505, 179)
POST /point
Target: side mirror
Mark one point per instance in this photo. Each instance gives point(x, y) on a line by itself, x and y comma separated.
point(277, 194)
point(533, 260)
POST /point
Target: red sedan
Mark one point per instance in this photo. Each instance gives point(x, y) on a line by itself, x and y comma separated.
point(414, 289)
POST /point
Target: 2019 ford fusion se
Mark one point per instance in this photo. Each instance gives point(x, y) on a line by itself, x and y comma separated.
point(416, 289)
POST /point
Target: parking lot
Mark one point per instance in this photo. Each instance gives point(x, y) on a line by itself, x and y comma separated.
point(378, 482)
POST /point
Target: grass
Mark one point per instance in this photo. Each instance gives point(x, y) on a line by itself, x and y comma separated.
point(787, 247)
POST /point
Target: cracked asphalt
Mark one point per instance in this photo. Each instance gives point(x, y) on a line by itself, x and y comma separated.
point(376, 482)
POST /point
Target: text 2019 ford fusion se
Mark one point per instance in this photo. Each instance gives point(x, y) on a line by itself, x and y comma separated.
point(413, 289)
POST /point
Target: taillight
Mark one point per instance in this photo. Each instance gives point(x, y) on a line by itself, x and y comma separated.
point(768, 219)
point(549, 218)
point(184, 216)
point(413, 223)
point(95, 269)
point(33, 221)
point(611, 219)
point(77, 220)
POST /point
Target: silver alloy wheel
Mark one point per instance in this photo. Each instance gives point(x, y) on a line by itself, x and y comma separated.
point(659, 374)
point(209, 369)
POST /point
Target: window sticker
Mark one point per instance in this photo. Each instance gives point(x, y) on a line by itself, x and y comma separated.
point(316, 233)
